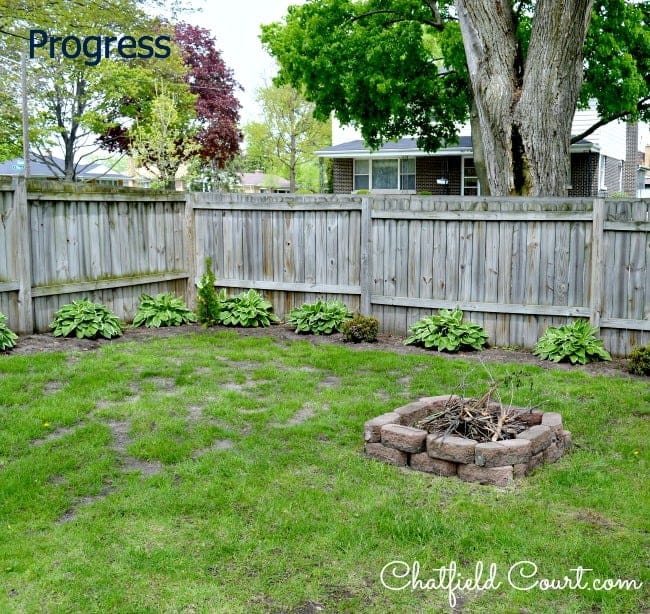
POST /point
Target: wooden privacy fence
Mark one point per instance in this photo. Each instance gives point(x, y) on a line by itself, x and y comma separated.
point(59, 244)
point(515, 266)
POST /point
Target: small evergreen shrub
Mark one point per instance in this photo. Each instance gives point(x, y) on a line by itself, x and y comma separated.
point(319, 318)
point(163, 310)
point(640, 360)
point(7, 336)
point(446, 332)
point(86, 320)
point(574, 342)
point(248, 309)
point(360, 328)
point(208, 303)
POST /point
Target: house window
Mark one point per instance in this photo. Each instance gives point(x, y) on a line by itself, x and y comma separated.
point(361, 174)
point(385, 174)
point(407, 174)
point(471, 186)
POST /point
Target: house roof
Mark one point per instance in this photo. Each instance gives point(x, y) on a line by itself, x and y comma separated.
point(92, 170)
point(263, 180)
point(408, 147)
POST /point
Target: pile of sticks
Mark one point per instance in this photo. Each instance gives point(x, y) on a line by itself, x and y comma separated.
point(479, 419)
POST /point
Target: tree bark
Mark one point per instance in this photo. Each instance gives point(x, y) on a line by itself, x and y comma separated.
point(525, 106)
point(551, 85)
point(489, 38)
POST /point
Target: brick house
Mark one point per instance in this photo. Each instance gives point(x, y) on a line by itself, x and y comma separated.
point(605, 163)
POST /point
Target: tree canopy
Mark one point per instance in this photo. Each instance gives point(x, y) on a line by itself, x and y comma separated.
point(421, 67)
point(285, 140)
point(82, 105)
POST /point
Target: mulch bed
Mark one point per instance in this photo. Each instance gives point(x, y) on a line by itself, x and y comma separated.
point(45, 342)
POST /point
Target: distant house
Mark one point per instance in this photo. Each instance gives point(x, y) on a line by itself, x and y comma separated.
point(605, 163)
point(259, 182)
point(94, 172)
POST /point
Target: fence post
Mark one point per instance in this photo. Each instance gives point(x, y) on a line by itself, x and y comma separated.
point(190, 250)
point(597, 261)
point(23, 257)
point(366, 269)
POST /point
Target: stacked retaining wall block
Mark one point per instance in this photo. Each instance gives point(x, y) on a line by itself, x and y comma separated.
point(392, 438)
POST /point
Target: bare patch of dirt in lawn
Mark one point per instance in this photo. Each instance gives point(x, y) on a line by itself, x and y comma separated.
point(121, 440)
point(52, 387)
point(218, 445)
point(80, 502)
point(54, 435)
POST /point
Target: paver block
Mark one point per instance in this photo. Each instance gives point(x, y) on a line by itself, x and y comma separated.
point(553, 453)
point(411, 413)
point(405, 438)
point(423, 462)
point(553, 420)
point(451, 448)
point(501, 453)
point(540, 437)
point(495, 476)
point(388, 455)
point(372, 428)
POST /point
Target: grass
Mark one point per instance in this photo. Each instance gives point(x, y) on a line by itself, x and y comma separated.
point(219, 473)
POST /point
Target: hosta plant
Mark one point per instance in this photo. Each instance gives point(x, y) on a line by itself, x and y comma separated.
point(319, 318)
point(246, 309)
point(360, 328)
point(446, 332)
point(7, 336)
point(86, 320)
point(640, 360)
point(163, 310)
point(575, 342)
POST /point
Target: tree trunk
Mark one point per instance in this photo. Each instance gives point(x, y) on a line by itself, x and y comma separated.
point(525, 107)
point(490, 44)
point(551, 85)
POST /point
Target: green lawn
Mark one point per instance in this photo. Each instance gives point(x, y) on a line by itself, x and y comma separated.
point(219, 473)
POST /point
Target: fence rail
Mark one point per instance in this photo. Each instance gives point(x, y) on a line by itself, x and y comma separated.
point(514, 266)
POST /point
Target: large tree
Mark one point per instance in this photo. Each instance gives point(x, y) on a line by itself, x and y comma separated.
point(516, 69)
point(215, 108)
point(72, 100)
point(288, 134)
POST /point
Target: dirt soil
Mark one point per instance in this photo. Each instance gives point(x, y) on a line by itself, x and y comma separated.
point(45, 342)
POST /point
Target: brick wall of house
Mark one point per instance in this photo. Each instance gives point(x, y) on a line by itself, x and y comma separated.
point(584, 174)
point(613, 175)
point(429, 169)
point(342, 170)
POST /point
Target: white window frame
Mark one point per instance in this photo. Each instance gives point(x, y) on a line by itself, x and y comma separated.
point(462, 177)
point(398, 189)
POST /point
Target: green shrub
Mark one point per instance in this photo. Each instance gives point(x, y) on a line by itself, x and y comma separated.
point(248, 309)
point(446, 332)
point(362, 192)
point(640, 360)
point(574, 342)
point(319, 318)
point(208, 304)
point(163, 310)
point(360, 328)
point(425, 193)
point(86, 320)
point(7, 336)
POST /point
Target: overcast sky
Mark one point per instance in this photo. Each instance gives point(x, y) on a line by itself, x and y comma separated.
point(236, 27)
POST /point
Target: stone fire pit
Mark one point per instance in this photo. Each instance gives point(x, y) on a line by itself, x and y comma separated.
point(392, 438)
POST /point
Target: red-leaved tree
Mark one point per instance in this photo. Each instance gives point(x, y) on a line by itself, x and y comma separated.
point(217, 108)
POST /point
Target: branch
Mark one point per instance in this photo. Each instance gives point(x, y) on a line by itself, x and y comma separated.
point(434, 24)
point(642, 105)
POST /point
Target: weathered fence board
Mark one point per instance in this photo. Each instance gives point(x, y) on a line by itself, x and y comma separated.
point(512, 265)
